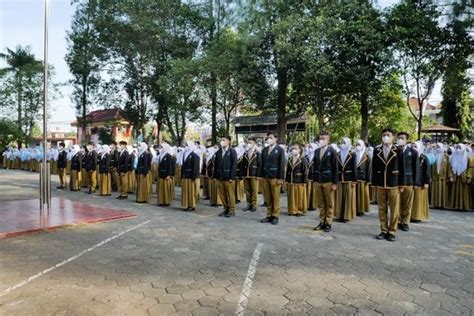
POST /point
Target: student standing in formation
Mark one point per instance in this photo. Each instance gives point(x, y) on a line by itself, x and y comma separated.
point(388, 178)
point(189, 178)
point(62, 163)
point(249, 173)
point(132, 167)
point(143, 174)
point(91, 167)
point(311, 192)
point(114, 156)
point(105, 168)
point(204, 175)
point(84, 177)
point(123, 169)
point(239, 183)
point(461, 176)
point(345, 196)
point(166, 174)
point(272, 172)
point(409, 160)
point(439, 177)
point(296, 177)
point(76, 166)
point(214, 199)
point(421, 207)
point(325, 179)
point(362, 178)
point(225, 172)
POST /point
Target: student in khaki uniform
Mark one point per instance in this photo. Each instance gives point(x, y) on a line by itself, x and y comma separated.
point(439, 178)
point(91, 167)
point(132, 176)
point(114, 155)
point(105, 168)
point(296, 178)
point(239, 183)
point(362, 178)
point(421, 207)
point(249, 173)
point(143, 174)
point(325, 179)
point(410, 157)
point(225, 171)
point(76, 166)
point(311, 192)
point(166, 174)
point(460, 176)
point(62, 163)
point(345, 195)
point(388, 178)
point(214, 199)
point(205, 177)
point(123, 170)
point(272, 172)
point(190, 177)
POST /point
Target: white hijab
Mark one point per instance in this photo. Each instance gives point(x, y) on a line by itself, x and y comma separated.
point(360, 152)
point(142, 148)
point(190, 149)
point(345, 152)
point(165, 149)
point(419, 147)
point(459, 160)
point(439, 153)
point(240, 150)
point(105, 150)
point(75, 149)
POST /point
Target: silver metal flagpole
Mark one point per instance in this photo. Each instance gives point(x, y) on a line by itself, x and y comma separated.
point(44, 182)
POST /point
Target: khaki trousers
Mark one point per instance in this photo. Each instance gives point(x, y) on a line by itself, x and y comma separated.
point(105, 184)
point(123, 183)
point(165, 191)
point(92, 177)
point(63, 177)
point(189, 194)
point(144, 188)
point(251, 191)
point(271, 195)
point(325, 200)
point(226, 192)
point(406, 204)
point(385, 198)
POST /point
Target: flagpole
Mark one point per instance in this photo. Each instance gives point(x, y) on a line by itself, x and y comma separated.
point(45, 177)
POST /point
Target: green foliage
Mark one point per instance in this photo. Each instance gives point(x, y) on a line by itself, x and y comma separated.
point(8, 132)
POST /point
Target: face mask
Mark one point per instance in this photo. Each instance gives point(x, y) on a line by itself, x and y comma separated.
point(248, 147)
point(459, 150)
point(344, 146)
point(322, 142)
point(439, 150)
point(387, 139)
point(401, 142)
point(295, 152)
point(358, 148)
point(223, 143)
point(270, 141)
point(61, 147)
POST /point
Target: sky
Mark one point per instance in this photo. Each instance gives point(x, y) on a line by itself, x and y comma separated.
point(22, 23)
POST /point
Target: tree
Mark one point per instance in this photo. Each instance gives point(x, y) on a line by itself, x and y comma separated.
point(360, 54)
point(21, 89)
point(421, 46)
point(83, 60)
point(21, 78)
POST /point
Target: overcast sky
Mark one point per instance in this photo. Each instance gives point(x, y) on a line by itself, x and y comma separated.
point(21, 23)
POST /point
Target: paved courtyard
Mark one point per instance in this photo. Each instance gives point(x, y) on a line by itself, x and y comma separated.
point(168, 262)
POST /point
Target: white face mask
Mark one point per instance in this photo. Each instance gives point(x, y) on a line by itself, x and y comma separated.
point(61, 147)
point(459, 150)
point(358, 148)
point(270, 141)
point(248, 147)
point(295, 152)
point(344, 146)
point(223, 144)
point(401, 142)
point(439, 150)
point(323, 142)
point(387, 139)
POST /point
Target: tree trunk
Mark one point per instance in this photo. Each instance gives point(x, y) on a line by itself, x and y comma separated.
point(364, 115)
point(84, 107)
point(282, 78)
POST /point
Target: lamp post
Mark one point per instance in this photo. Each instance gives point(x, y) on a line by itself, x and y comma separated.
point(45, 188)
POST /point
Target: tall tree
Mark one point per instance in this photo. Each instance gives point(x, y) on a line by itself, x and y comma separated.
point(421, 46)
point(83, 58)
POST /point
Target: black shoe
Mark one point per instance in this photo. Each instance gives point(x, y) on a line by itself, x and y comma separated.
point(404, 227)
point(390, 237)
point(266, 220)
point(275, 221)
point(360, 214)
point(381, 236)
point(320, 226)
point(415, 221)
point(60, 188)
point(246, 209)
point(192, 209)
point(327, 229)
point(400, 225)
point(311, 209)
point(229, 214)
point(298, 215)
point(223, 213)
point(253, 210)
